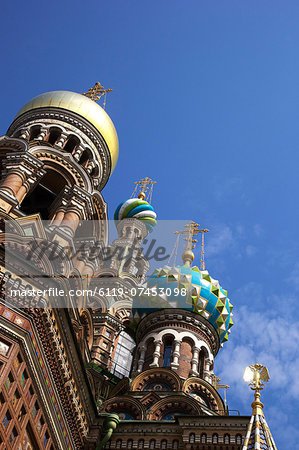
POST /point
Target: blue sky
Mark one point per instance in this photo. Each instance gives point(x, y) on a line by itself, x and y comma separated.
point(205, 102)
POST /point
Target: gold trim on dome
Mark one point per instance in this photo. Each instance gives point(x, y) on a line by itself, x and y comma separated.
point(83, 106)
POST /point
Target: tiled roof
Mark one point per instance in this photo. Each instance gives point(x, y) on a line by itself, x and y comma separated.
point(258, 434)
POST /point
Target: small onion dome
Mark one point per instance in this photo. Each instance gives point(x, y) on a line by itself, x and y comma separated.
point(136, 208)
point(187, 288)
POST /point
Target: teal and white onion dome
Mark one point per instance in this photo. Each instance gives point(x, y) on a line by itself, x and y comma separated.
point(188, 288)
point(136, 208)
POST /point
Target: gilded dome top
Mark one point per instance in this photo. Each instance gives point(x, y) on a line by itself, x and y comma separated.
point(84, 107)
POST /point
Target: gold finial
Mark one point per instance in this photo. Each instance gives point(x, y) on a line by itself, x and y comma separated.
point(96, 92)
point(217, 385)
point(254, 375)
point(144, 189)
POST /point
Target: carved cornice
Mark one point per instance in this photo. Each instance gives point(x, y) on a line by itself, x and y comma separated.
point(10, 143)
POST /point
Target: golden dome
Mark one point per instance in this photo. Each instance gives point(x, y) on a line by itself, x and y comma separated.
point(83, 106)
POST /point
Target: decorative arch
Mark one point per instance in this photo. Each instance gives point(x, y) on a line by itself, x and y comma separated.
point(159, 376)
point(179, 335)
point(169, 407)
point(98, 304)
point(125, 407)
point(58, 161)
point(195, 386)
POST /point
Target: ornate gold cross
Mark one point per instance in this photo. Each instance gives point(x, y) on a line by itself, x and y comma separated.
point(217, 385)
point(144, 188)
point(96, 92)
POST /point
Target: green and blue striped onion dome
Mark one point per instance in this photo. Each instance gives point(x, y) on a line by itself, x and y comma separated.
point(136, 208)
point(204, 296)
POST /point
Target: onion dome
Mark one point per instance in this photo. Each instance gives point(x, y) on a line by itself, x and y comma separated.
point(187, 288)
point(84, 107)
point(136, 208)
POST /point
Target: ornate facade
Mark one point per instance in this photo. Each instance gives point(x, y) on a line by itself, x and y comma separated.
point(85, 363)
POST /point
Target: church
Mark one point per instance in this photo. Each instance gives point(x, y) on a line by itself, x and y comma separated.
point(97, 350)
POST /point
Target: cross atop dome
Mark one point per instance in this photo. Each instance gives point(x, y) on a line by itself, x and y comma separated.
point(144, 189)
point(191, 230)
point(96, 92)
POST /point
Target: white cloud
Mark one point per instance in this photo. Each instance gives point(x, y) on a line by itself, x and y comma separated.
point(261, 337)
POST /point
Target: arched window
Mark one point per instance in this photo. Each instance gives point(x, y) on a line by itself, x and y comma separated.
point(130, 443)
point(226, 439)
point(215, 438)
point(152, 443)
point(175, 444)
point(34, 132)
point(85, 157)
point(141, 443)
point(192, 438)
point(164, 444)
point(203, 438)
point(54, 135)
point(118, 443)
point(42, 197)
point(71, 144)
point(123, 357)
point(167, 353)
point(201, 362)
point(238, 439)
point(108, 444)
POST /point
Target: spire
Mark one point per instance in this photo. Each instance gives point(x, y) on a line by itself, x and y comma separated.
point(258, 434)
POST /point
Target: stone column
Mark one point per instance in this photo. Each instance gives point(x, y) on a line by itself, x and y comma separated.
point(176, 354)
point(194, 362)
point(78, 153)
point(207, 370)
point(12, 183)
point(156, 354)
point(57, 218)
point(78, 206)
point(70, 220)
point(22, 172)
point(91, 165)
point(25, 134)
point(60, 142)
point(141, 358)
point(43, 133)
